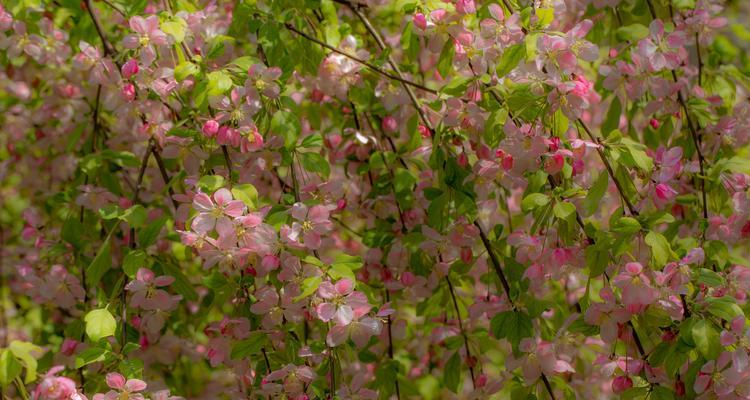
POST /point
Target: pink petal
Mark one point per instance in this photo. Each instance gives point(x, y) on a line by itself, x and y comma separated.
point(326, 311)
point(222, 196)
point(337, 335)
point(115, 380)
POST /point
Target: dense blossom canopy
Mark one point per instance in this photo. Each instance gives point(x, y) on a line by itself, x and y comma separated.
point(374, 199)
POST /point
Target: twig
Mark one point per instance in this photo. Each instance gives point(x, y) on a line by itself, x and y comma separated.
point(108, 49)
point(359, 60)
point(228, 163)
point(610, 171)
point(463, 332)
point(495, 262)
point(165, 177)
point(383, 47)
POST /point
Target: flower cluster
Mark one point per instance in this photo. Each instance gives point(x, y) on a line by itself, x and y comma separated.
point(374, 199)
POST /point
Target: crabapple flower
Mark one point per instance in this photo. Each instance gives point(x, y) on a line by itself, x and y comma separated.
point(217, 213)
point(146, 37)
point(662, 51)
point(311, 223)
point(341, 302)
point(145, 290)
point(123, 389)
point(53, 387)
point(637, 293)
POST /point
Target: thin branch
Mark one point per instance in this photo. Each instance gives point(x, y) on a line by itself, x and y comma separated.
point(383, 47)
point(463, 332)
point(495, 263)
point(165, 177)
point(390, 344)
point(228, 163)
point(610, 171)
point(359, 60)
point(108, 49)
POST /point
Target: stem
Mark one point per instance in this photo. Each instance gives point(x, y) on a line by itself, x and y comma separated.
point(123, 298)
point(390, 343)
point(165, 176)
point(700, 60)
point(463, 332)
point(548, 386)
point(610, 171)
point(359, 60)
point(108, 49)
point(383, 47)
point(495, 263)
point(228, 163)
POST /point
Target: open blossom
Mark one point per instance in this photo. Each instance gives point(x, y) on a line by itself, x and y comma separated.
point(217, 213)
point(637, 293)
point(147, 37)
point(662, 50)
point(311, 223)
point(360, 329)
point(146, 292)
point(341, 302)
point(53, 387)
point(122, 388)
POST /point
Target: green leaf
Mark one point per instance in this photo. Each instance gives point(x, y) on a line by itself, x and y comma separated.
point(445, 62)
point(315, 162)
point(637, 155)
point(175, 28)
point(10, 368)
point(510, 59)
point(632, 33)
point(594, 197)
point(309, 286)
point(533, 201)
point(90, 355)
point(147, 236)
point(71, 231)
point(286, 124)
point(136, 216)
point(452, 373)
point(131, 369)
point(706, 339)
point(559, 123)
point(219, 82)
point(725, 308)
point(564, 210)
point(250, 346)
point(626, 225)
point(23, 353)
point(101, 263)
point(134, 260)
point(660, 249)
point(545, 16)
point(185, 69)
point(709, 278)
point(314, 140)
point(246, 193)
point(100, 324)
point(612, 121)
point(457, 86)
point(211, 183)
point(512, 325)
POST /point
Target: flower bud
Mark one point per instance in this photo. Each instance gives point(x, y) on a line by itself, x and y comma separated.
point(389, 124)
point(129, 69)
point(210, 128)
point(420, 21)
point(128, 92)
point(621, 384)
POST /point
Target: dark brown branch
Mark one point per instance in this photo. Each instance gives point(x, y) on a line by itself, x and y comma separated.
point(359, 60)
point(495, 263)
point(463, 332)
